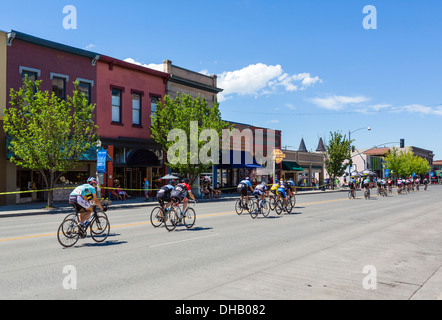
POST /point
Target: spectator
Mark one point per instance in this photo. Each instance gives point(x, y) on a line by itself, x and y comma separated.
point(217, 191)
point(146, 189)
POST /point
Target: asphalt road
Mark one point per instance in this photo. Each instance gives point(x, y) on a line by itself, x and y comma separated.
point(329, 248)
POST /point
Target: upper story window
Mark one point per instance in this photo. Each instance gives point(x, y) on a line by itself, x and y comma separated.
point(59, 85)
point(31, 73)
point(136, 109)
point(85, 86)
point(116, 105)
point(153, 107)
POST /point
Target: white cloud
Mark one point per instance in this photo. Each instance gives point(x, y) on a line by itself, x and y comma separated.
point(338, 102)
point(158, 67)
point(258, 79)
point(90, 46)
point(416, 108)
point(290, 82)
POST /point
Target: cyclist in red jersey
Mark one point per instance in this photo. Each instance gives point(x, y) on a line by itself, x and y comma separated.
point(181, 191)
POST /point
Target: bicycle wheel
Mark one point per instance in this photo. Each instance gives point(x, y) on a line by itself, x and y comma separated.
point(171, 219)
point(250, 205)
point(272, 203)
point(350, 195)
point(189, 218)
point(100, 228)
point(254, 209)
point(156, 217)
point(68, 233)
point(265, 209)
point(278, 207)
point(238, 207)
point(293, 199)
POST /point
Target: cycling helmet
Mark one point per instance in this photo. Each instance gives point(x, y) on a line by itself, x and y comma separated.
point(248, 178)
point(186, 180)
point(172, 183)
point(92, 180)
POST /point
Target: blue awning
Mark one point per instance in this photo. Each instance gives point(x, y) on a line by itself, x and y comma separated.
point(237, 160)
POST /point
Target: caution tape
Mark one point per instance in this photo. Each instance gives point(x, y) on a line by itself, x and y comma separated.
point(127, 189)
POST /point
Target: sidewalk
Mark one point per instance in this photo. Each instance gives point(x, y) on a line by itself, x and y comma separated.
point(37, 208)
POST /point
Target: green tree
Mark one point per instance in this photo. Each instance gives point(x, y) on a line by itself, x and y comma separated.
point(393, 162)
point(49, 134)
point(338, 155)
point(405, 164)
point(189, 116)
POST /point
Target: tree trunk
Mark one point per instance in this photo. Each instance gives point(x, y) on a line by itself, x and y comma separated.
point(51, 191)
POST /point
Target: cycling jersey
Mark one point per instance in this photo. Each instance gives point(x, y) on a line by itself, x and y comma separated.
point(352, 184)
point(245, 184)
point(164, 193)
point(81, 196)
point(243, 187)
point(86, 191)
point(282, 188)
point(180, 191)
point(260, 189)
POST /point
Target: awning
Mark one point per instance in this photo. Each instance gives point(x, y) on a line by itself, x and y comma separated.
point(91, 155)
point(291, 166)
point(246, 161)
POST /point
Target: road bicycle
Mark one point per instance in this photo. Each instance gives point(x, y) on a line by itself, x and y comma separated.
point(173, 217)
point(279, 208)
point(384, 192)
point(367, 194)
point(158, 214)
point(70, 230)
point(240, 205)
point(260, 207)
point(352, 194)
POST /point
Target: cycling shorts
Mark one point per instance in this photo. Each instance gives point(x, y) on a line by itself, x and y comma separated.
point(78, 202)
point(178, 196)
point(258, 193)
point(282, 191)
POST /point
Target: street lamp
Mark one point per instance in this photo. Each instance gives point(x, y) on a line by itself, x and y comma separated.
point(349, 139)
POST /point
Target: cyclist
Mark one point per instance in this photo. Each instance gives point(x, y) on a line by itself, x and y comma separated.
point(352, 186)
point(163, 195)
point(80, 197)
point(425, 184)
point(281, 191)
point(417, 183)
point(243, 188)
point(399, 185)
point(291, 187)
point(261, 190)
point(366, 184)
point(181, 191)
point(390, 185)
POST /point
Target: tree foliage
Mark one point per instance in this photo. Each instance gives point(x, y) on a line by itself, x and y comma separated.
point(179, 113)
point(48, 134)
point(338, 155)
point(404, 164)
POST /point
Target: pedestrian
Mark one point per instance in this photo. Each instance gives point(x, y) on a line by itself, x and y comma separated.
point(146, 189)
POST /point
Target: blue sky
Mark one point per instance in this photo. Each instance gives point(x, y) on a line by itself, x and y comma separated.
point(303, 67)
